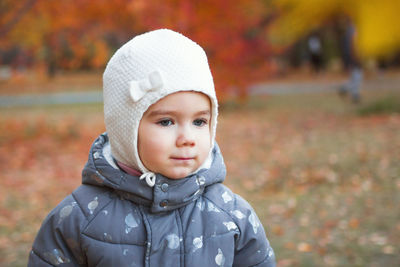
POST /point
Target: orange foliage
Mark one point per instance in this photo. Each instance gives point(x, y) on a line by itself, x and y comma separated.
point(84, 34)
point(233, 34)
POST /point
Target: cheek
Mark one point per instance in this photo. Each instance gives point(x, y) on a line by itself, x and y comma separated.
point(205, 144)
point(146, 144)
point(150, 142)
point(154, 142)
point(150, 151)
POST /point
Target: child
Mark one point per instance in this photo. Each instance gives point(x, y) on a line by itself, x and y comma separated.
point(152, 192)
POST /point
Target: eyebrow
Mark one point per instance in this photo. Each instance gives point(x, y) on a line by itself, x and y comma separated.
point(161, 112)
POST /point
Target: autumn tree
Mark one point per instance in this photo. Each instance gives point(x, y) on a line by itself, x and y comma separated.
point(72, 35)
point(378, 34)
point(11, 13)
point(233, 34)
point(83, 34)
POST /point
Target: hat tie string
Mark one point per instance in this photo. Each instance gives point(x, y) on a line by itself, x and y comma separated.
point(150, 178)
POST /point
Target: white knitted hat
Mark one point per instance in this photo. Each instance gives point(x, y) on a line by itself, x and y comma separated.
point(144, 70)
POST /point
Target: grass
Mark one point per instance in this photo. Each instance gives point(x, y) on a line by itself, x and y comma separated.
point(323, 179)
point(385, 105)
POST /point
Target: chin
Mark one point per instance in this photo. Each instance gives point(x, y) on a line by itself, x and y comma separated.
point(178, 174)
point(176, 177)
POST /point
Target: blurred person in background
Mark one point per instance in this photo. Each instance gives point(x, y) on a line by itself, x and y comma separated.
point(315, 50)
point(351, 63)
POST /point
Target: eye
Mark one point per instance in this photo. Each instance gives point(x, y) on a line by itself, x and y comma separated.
point(165, 122)
point(200, 122)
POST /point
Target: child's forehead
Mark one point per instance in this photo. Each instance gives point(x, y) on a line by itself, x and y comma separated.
point(179, 99)
point(182, 100)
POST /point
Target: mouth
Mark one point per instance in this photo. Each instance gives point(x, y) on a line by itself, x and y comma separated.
point(183, 158)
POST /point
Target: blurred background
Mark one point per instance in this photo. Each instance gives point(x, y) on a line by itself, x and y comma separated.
point(309, 124)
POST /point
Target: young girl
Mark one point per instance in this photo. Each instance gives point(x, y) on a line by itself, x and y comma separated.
point(152, 192)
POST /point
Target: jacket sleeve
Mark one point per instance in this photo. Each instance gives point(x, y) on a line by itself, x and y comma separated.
point(252, 247)
point(58, 240)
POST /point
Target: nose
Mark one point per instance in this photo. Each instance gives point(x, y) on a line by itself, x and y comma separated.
point(185, 137)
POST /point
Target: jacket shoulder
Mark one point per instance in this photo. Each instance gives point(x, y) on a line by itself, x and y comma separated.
point(59, 238)
point(228, 201)
point(91, 199)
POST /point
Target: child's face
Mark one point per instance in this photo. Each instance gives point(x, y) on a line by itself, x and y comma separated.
point(174, 134)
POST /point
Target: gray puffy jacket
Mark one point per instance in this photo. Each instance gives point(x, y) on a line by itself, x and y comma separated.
point(114, 219)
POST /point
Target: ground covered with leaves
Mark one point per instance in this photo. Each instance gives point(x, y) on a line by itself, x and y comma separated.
point(323, 177)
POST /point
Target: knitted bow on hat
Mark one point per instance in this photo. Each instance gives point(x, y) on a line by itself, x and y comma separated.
point(139, 88)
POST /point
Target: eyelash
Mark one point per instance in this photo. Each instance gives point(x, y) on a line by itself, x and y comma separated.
point(202, 121)
point(169, 122)
point(163, 121)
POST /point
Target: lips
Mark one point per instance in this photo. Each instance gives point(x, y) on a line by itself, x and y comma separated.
point(182, 158)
